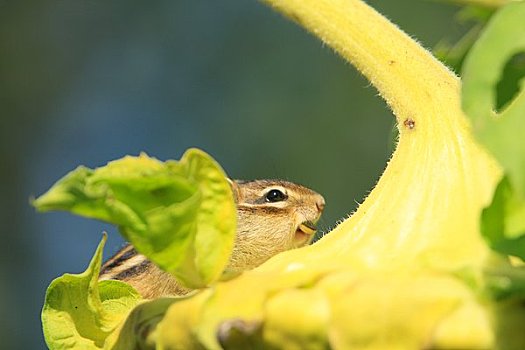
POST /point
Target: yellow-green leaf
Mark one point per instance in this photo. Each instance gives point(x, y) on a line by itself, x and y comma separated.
point(503, 222)
point(181, 215)
point(80, 313)
point(502, 133)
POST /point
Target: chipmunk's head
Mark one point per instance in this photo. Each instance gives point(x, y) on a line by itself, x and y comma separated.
point(273, 216)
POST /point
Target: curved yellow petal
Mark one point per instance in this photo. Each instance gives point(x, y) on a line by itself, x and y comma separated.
point(426, 205)
point(418, 225)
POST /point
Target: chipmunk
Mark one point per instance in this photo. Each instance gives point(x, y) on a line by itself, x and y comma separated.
point(272, 216)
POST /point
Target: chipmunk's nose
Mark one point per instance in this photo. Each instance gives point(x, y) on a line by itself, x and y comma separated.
point(320, 203)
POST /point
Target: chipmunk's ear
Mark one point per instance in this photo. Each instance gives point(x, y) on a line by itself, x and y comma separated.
point(235, 189)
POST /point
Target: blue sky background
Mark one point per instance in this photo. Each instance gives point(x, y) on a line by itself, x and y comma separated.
point(85, 82)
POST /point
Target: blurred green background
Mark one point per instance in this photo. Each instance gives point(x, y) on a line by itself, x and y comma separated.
point(85, 82)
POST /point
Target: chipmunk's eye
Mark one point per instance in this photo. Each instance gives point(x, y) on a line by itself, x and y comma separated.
point(275, 195)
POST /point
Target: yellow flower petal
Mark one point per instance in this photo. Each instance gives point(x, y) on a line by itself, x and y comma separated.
point(386, 271)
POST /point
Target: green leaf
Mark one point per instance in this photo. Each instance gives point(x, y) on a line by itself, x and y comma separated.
point(181, 215)
point(503, 221)
point(501, 133)
point(486, 73)
point(79, 312)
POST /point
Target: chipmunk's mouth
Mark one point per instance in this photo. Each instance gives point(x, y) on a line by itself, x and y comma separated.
point(305, 233)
